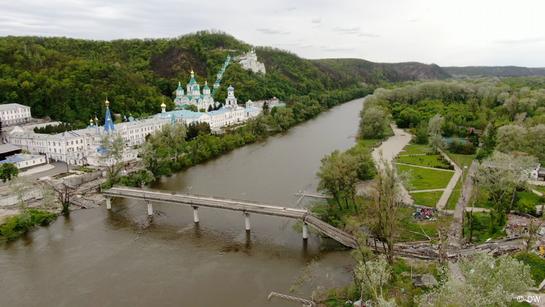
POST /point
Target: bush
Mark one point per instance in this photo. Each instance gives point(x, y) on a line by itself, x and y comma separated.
point(18, 225)
point(137, 179)
point(421, 134)
point(460, 147)
point(527, 202)
point(536, 264)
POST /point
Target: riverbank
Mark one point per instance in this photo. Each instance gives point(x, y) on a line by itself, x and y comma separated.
point(162, 159)
point(171, 260)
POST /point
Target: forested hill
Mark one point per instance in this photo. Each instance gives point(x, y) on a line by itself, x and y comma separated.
point(494, 71)
point(377, 72)
point(68, 79)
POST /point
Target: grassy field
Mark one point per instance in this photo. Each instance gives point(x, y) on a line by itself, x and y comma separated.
point(481, 229)
point(453, 199)
point(415, 149)
point(428, 160)
point(368, 143)
point(428, 199)
point(423, 179)
point(462, 160)
point(539, 188)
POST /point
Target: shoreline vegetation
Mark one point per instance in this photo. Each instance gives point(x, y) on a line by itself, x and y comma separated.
point(468, 120)
point(18, 225)
point(171, 150)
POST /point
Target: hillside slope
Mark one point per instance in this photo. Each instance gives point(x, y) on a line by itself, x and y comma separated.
point(371, 72)
point(495, 71)
point(67, 79)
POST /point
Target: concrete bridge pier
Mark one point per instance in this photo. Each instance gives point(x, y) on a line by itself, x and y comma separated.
point(196, 214)
point(247, 221)
point(108, 203)
point(150, 209)
point(305, 231)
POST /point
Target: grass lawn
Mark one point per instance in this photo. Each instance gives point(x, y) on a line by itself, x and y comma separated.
point(428, 160)
point(428, 199)
point(453, 199)
point(527, 201)
point(415, 149)
point(539, 188)
point(481, 229)
point(370, 144)
point(423, 179)
point(462, 160)
point(536, 264)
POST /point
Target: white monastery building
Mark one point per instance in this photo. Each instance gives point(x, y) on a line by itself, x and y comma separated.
point(83, 146)
point(249, 61)
point(14, 114)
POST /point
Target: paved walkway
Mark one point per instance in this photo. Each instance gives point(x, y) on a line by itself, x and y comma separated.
point(388, 151)
point(426, 191)
point(442, 202)
point(426, 167)
point(38, 169)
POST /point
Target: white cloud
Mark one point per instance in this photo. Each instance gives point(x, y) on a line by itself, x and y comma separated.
point(448, 32)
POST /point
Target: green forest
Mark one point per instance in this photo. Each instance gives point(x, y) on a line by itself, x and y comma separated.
point(69, 79)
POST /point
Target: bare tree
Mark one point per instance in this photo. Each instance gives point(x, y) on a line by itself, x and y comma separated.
point(64, 193)
point(384, 211)
point(112, 149)
point(20, 186)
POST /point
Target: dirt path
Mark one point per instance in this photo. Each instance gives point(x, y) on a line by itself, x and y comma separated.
point(455, 233)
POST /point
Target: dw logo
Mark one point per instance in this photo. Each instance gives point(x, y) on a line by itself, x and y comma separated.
point(531, 299)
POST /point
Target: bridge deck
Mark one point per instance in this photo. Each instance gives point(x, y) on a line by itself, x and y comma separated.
point(235, 205)
point(206, 201)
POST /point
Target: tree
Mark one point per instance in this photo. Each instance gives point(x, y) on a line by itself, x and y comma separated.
point(371, 277)
point(64, 193)
point(21, 187)
point(488, 141)
point(536, 142)
point(196, 128)
point(408, 118)
point(191, 107)
point(501, 175)
point(511, 138)
point(283, 118)
point(8, 171)
point(365, 166)
point(338, 175)
point(374, 122)
point(487, 281)
point(165, 147)
point(266, 108)
point(384, 211)
point(112, 148)
point(435, 132)
point(421, 134)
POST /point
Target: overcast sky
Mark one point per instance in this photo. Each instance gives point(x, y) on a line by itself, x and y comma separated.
point(445, 32)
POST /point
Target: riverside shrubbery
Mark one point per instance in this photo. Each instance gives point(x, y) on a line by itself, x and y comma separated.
point(15, 226)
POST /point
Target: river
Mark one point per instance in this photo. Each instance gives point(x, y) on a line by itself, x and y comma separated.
point(101, 258)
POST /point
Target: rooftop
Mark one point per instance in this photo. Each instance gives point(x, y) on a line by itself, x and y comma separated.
point(5, 148)
point(10, 106)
